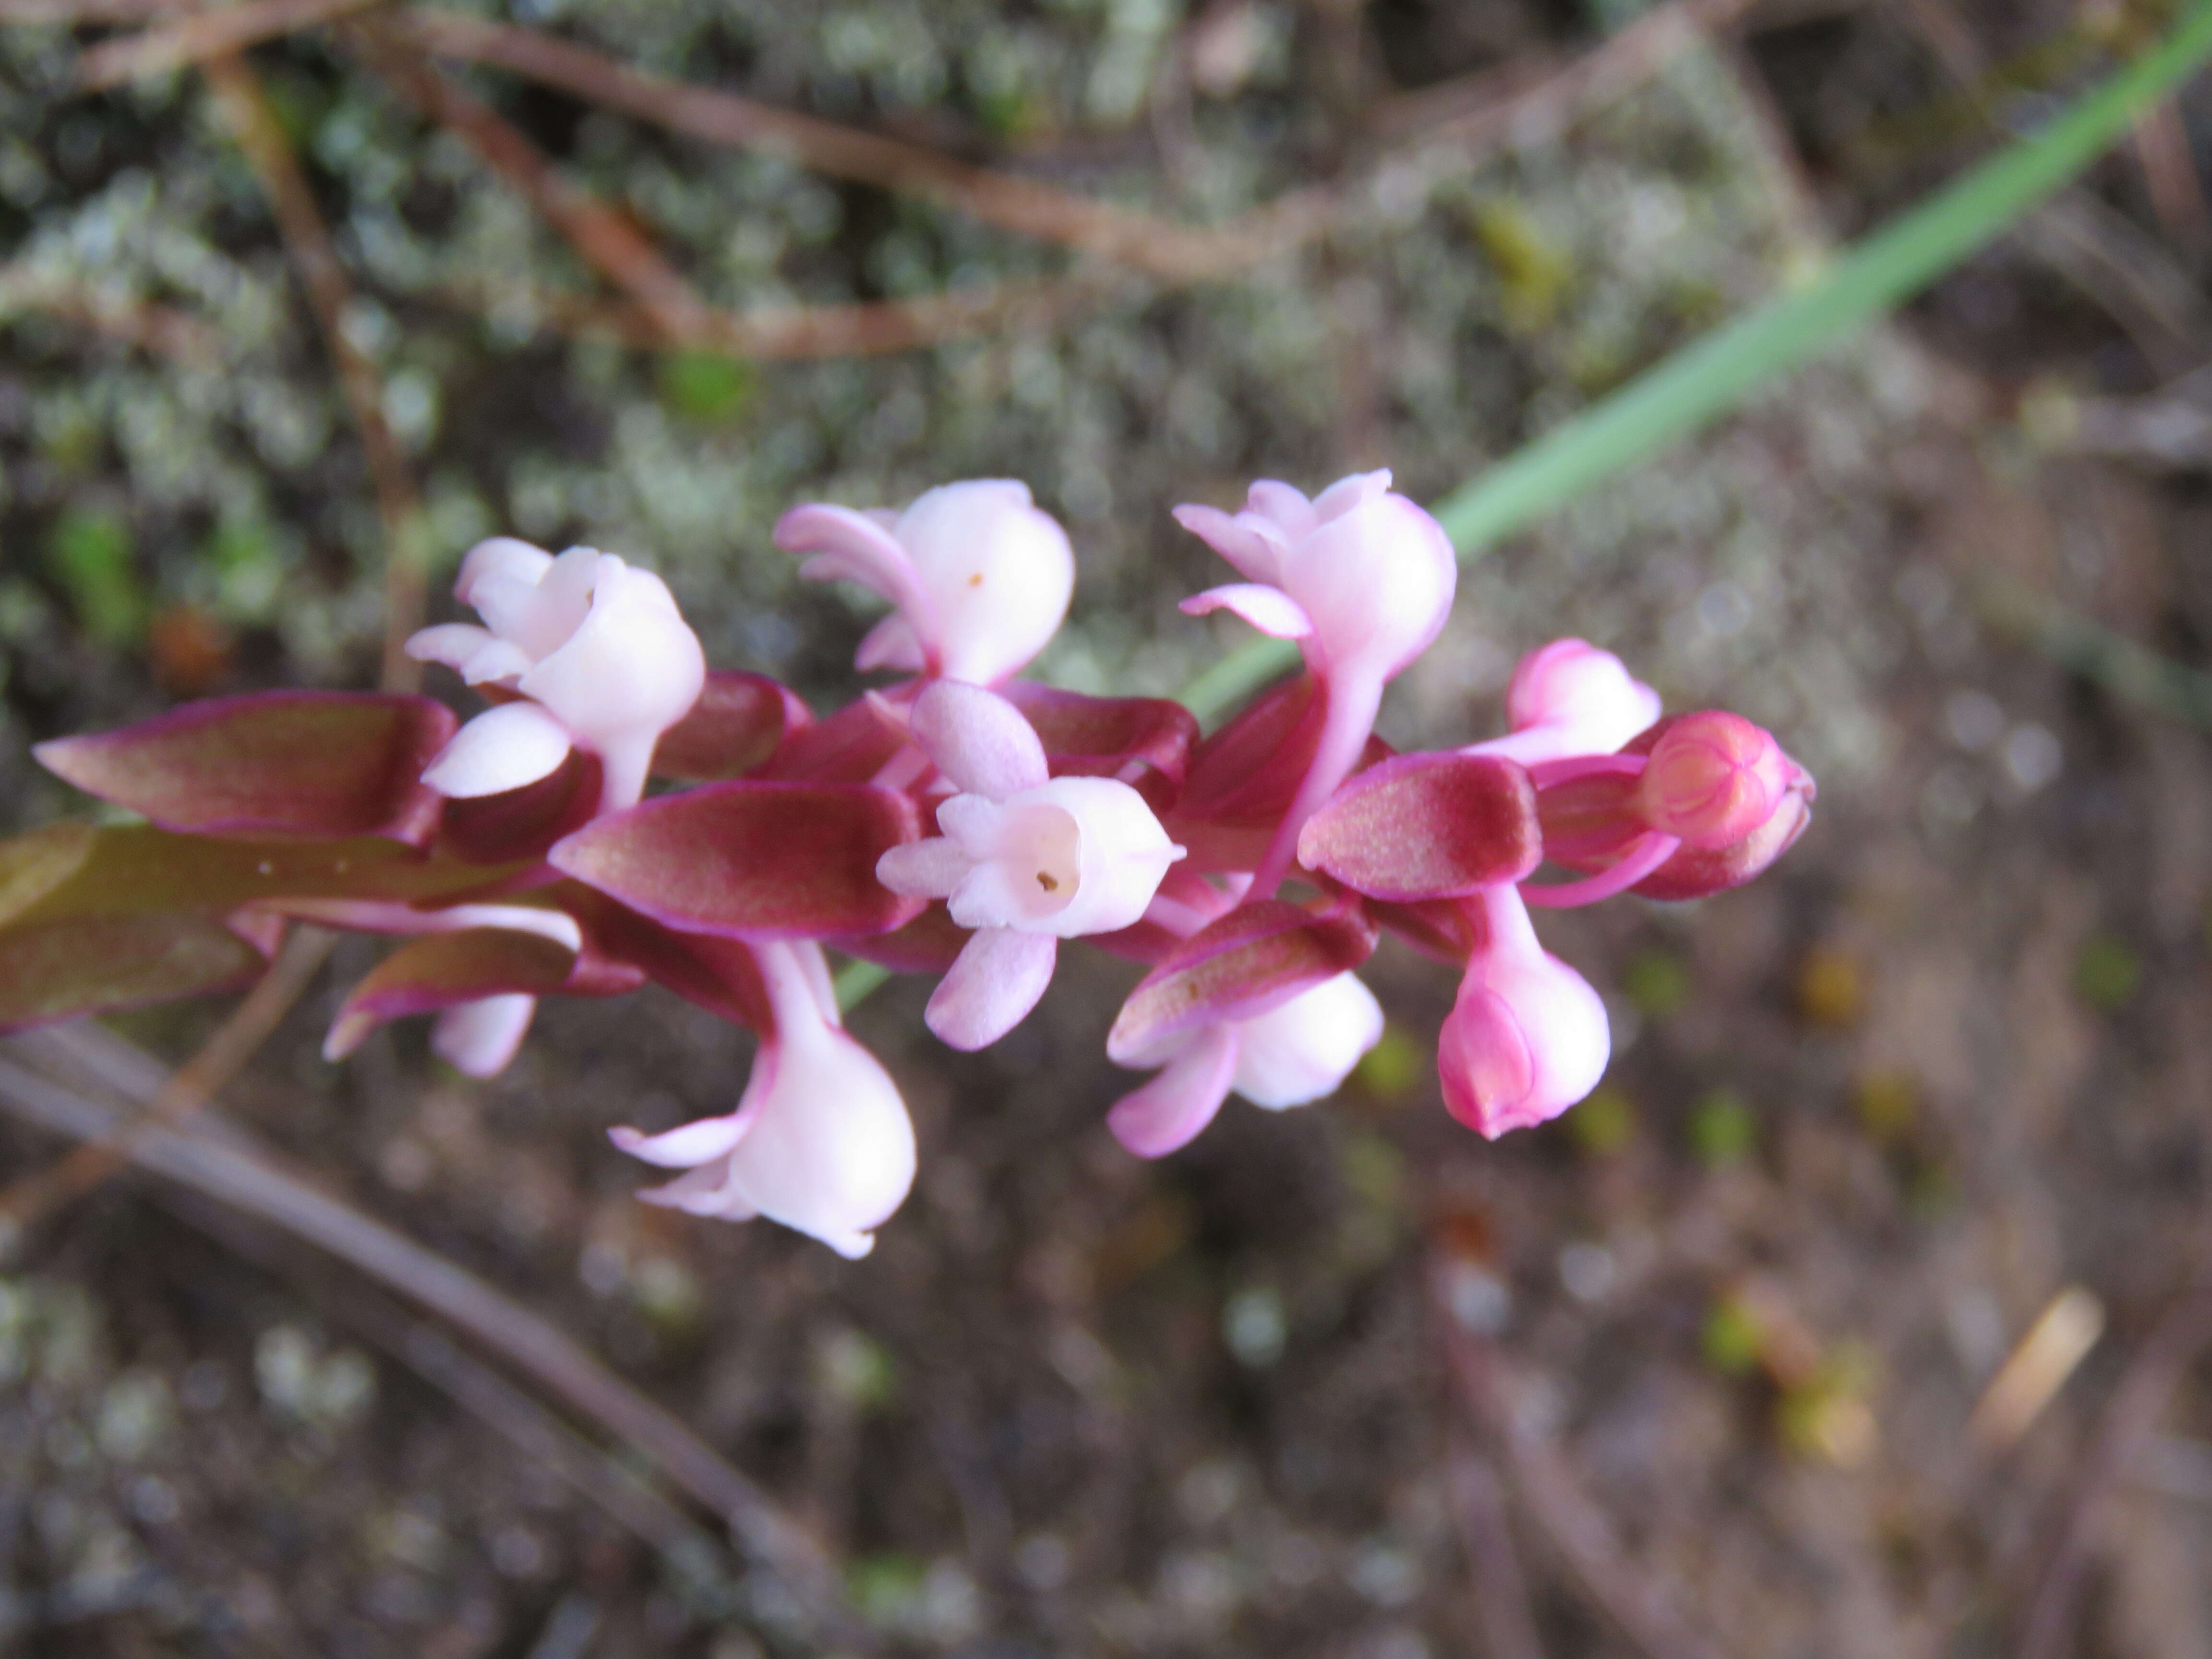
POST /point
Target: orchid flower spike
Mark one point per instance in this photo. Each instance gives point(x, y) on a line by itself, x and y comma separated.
point(820, 1141)
point(1570, 698)
point(1295, 1053)
point(1360, 577)
point(598, 652)
point(1527, 1037)
point(1026, 860)
point(978, 577)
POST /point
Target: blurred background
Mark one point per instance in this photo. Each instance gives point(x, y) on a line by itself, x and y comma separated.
point(1853, 1316)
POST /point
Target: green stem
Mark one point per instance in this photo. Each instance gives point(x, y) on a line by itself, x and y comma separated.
point(1689, 389)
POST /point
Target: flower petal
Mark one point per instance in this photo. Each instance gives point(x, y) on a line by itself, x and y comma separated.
point(687, 1146)
point(500, 558)
point(501, 748)
point(450, 643)
point(479, 1038)
point(849, 546)
point(1168, 1112)
point(924, 869)
point(1244, 545)
point(978, 740)
point(496, 659)
point(1270, 610)
point(992, 987)
point(891, 644)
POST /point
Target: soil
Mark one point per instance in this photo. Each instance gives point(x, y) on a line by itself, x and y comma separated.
point(1694, 1371)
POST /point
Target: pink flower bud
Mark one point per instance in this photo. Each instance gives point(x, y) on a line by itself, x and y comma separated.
point(978, 576)
point(599, 650)
point(820, 1142)
point(1528, 1036)
point(1571, 698)
point(1713, 778)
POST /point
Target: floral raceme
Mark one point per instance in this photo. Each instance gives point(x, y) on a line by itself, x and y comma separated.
point(957, 821)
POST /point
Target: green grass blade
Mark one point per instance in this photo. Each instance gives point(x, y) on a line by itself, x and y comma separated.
point(1692, 387)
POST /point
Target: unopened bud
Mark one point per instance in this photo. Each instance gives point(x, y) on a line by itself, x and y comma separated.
point(1713, 779)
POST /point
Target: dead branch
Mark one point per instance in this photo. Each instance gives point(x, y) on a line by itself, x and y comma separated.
point(162, 329)
point(871, 328)
point(1140, 240)
point(1501, 1590)
point(200, 36)
point(2152, 1376)
point(183, 1091)
point(238, 92)
point(224, 1164)
point(604, 239)
point(1554, 1500)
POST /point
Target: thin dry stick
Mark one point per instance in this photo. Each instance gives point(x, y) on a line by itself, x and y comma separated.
point(1501, 1590)
point(163, 329)
point(1617, 65)
point(869, 329)
point(627, 1495)
point(200, 36)
point(226, 1165)
point(238, 92)
point(2152, 1376)
point(184, 1092)
point(2170, 172)
point(1142, 241)
point(1574, 1526)
point(69, 13)
point(605, 239)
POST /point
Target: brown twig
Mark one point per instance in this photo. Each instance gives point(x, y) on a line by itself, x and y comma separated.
point(1497, 106)
point(604, 239)
point(2170, 175)
point(226, 1164)
point(69, 13)
point(184, 1092)
point(1501, 1590)
point(1570, 1522)
point(2152, 1376)
point(202, 36)
point(1141, 241)
point(163, 329)
point(869, 329)
point(238, 92)
point(627, 1495)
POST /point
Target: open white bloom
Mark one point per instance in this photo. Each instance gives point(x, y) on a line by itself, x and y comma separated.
point(979, 576)
point(1297, 1052)
point(598, 652)
point(1026, 860)
point(1361, 577)
point(1303, 1050)
point(820, 1142)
